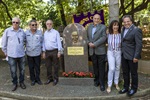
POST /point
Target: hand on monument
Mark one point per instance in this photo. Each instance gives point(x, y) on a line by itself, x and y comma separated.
point(135, 60)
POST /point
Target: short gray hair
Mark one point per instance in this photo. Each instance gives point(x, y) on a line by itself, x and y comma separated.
point(16, 18)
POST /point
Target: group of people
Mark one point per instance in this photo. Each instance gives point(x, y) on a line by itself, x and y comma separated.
point(124, 49)
point(16, 43)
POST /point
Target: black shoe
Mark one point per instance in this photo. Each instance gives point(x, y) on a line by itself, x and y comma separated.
point(131, 92)
point(14, 87)
point(22, 85)
point(55, 82)
point(123, 91)
point(39, 82)
point(102, 88)
point(48, 81)
point(32, 83)
point(96, 84)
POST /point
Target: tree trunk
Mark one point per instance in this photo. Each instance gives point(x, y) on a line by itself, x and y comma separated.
point(80, 6)
point(61, 9)
point(113, 10)
point(91, 6)
point(7, 11)
point(132, 9)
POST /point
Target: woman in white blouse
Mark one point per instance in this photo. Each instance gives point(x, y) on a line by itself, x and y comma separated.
point(114, 54)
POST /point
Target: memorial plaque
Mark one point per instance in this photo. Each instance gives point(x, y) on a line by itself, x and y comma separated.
point(75, 48)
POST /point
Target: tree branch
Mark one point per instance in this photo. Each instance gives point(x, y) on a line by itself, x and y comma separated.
point(122, 6)
point(140, 7)
point(61, 10)
point(7, 11)
point(122, 9)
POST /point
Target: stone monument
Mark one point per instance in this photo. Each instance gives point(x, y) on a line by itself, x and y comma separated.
point(60, 30)
point(75, 48)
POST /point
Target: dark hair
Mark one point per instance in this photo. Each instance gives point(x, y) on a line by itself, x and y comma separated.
point(127, 16)
point(33, 20)
point(111, 26)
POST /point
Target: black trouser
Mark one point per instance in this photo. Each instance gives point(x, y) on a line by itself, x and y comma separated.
point(52, 60)
point(128, 66)
point(34, 67)
point(99, 68)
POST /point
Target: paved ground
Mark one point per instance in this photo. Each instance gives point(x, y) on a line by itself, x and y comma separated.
point(64, 92)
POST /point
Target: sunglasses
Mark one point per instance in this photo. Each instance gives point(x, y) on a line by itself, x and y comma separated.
point(15, 22)
point(33, 24)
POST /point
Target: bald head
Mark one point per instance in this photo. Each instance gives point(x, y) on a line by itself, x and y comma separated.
point(96, 19)
point(49, 21)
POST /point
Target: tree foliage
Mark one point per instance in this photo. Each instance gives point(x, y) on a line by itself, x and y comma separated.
point(130, 7)
point(62, 11)
point(23, 9)
point(50, 12)
point(71, 7)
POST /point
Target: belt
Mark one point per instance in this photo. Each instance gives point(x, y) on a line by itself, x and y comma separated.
point(51, 50)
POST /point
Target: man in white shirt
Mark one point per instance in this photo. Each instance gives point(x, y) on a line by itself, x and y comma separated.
point(51, 51)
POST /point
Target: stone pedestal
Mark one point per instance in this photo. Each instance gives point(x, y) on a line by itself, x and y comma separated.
point(76, 81)
point(75, 48)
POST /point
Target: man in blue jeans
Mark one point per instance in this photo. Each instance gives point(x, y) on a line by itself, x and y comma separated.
point(13, 47)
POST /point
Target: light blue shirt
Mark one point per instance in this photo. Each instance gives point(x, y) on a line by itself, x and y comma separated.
point(34, 43)
point(13, 42)
point(52, 40)
point(126, 31)
point(93, 30)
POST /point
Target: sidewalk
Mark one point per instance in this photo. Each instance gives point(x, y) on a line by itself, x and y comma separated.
point(64, 92)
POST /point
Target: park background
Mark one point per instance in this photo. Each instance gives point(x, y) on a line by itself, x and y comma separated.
point(62, 11)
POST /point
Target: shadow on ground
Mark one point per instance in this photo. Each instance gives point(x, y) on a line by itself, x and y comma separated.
point(64, 92)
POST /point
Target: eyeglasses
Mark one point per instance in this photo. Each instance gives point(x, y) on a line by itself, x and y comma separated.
point(33, 24)
point(15, 22)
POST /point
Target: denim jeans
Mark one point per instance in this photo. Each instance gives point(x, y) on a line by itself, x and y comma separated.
point(14, 63)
